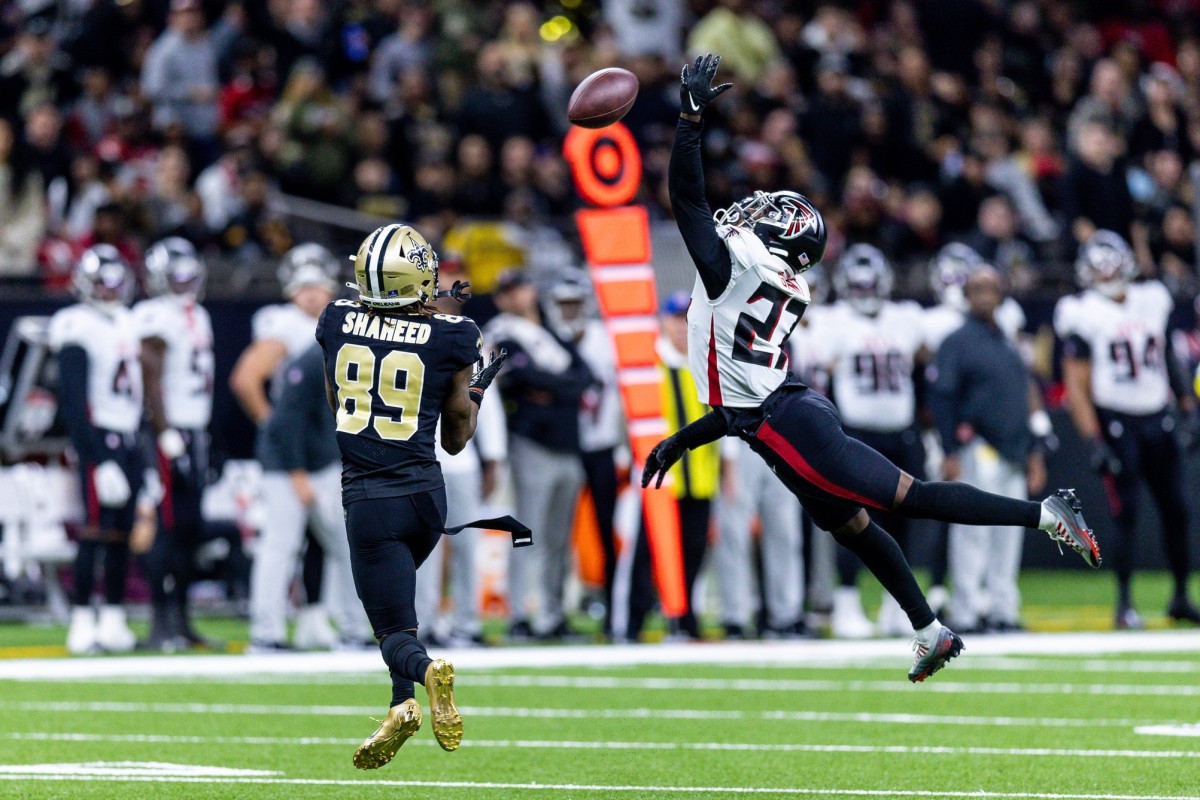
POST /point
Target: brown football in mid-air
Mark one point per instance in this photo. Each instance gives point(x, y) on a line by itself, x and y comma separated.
point(602, 98)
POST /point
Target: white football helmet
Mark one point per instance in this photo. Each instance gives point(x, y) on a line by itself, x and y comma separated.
point(948, 272)
point(1106, 264)
point(103, 278)
point(308, 264)
point(174, 267)
point(864, 278)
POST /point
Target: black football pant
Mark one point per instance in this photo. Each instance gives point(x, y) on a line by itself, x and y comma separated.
point(904, 449)
point(601, 472)
point(170, 563)
point(1146, 448)
point(390, 538)
point(799, 433)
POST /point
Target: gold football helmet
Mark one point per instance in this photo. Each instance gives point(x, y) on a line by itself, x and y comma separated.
point(395, 267)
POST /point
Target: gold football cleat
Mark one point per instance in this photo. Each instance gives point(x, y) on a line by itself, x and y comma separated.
point(380, 747)
point(447, 723)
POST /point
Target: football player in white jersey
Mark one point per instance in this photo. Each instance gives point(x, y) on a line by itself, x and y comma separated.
point(873, 357)
point(748, 298)
point(1117, 373)
point(177, 368)
point(281, 333)
point(100, 402)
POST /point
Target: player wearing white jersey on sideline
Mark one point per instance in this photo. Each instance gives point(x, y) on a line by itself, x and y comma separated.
point(749, 297)
point(874, 342)
point(1118, 375)
point(100, 402)
point(177, 367)
point(281, 333)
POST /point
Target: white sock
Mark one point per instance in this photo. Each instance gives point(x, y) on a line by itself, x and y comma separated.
point(1048, 520)
point(927, 634)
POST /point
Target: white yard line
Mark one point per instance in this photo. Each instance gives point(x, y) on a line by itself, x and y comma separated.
point(100, 706)
point(526, 744)
point(788, 685)
point(805, 653)
point(575, 787)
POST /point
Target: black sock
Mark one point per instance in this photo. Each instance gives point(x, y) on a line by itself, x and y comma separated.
point(883, 556)
point(116, 566)
point(85, 571)
point(402, 689)
point(405, 656)
point(950, 501)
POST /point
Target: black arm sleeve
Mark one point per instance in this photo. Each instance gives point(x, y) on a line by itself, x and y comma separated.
point(709, 428)
point(72, 402)
point(685, 180)
point(1181, 382)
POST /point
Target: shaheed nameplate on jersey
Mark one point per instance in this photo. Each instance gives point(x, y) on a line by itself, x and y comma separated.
point(29, 422)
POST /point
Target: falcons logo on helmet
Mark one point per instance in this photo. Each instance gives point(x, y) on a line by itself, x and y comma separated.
point(802, 219)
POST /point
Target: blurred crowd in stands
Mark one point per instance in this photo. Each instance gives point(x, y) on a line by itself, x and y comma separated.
point(1017, 126)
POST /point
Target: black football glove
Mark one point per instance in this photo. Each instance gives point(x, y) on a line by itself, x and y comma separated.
point(1102, 458)
point(483, 379)
point(460, 291)
point(695, 85)
point(661, 459)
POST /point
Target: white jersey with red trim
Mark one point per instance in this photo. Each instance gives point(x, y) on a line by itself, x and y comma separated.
point(187, 380)
point(1126, 342)
point(737, 341)
point(873, 364)
point(114, 392)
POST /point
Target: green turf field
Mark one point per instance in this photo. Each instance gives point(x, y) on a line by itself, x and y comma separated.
point(998, 722)
point(1029, 726)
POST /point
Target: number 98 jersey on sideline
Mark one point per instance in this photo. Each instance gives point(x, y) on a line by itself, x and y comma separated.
point(390, 374)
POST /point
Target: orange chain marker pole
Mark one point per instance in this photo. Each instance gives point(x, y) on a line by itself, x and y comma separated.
point(607, 167)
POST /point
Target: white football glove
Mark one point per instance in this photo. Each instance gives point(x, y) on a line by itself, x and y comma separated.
point(112, 487)
point(171, 444)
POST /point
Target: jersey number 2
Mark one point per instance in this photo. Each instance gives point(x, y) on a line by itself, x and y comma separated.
point(749, 330)
point(399, 384)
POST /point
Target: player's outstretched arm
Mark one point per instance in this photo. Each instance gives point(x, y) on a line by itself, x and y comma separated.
point(685, 177)
point(709, 428)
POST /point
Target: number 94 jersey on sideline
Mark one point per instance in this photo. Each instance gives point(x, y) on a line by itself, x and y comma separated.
point(737, 342)
point(1125, 341)
point(390, 374)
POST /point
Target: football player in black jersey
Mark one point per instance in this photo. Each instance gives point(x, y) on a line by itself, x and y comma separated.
point(392, 367)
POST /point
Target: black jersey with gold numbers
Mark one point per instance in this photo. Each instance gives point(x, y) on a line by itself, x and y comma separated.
point(390, 373)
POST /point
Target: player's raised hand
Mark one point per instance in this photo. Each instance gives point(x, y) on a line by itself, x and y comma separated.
point(484, 377)
point(661, 459)
point(695, 85)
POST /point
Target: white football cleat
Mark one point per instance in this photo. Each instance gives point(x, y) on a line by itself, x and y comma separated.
point(113, 633)
point(848, 620)
point(81, 635)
